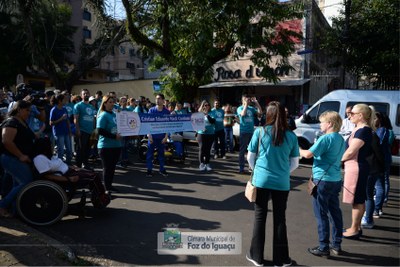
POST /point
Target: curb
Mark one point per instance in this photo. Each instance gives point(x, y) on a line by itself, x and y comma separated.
point(58, 247)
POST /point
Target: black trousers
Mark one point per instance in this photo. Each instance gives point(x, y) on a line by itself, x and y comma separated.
point(219, 143)
point(205, 142)
point(109, 158)
point(280, 242)
point(83, 149)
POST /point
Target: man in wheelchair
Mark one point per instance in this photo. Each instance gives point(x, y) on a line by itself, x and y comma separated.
point(72, 178)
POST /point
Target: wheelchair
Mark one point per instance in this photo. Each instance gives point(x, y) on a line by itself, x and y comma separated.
point(44, 202)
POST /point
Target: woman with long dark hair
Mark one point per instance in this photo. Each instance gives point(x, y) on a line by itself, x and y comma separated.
point(109, 144)
point(273, 154)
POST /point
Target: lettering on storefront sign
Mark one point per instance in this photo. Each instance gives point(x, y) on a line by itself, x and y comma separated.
point(251, 72)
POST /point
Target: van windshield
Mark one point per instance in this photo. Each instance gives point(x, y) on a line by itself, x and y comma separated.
point(313, 115)
point(382, 108)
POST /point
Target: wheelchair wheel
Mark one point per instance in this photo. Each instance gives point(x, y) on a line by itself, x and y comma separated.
point(143, 152)
point(42, 203)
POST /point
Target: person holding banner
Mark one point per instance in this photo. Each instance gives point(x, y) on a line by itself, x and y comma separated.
point(157, 140)
point(109, 143)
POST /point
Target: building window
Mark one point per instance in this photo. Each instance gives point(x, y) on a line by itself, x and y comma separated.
point(131, 52)
point(130, 65)
point(87, 34)
point(122, 49)
point(87, 15)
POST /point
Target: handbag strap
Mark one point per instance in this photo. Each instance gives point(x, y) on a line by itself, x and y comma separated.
point(330, 165)
point(258, 152)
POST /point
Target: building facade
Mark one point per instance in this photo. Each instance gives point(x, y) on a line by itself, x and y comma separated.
point(297, 87)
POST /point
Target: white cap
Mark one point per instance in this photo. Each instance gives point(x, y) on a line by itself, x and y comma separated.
point(91, 99)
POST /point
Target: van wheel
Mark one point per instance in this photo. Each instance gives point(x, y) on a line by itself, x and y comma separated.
point(235, 143)
point(303, 144)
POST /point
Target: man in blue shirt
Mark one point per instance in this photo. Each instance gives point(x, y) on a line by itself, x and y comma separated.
point(157, 140)
point(246, 113)
point(84, 119)
point(219, 136)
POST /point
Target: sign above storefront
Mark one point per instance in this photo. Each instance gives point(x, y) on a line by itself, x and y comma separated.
point(251, 73)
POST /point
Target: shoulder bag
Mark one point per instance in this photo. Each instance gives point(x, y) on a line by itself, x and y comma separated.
point(251, 191)
point(311, 186)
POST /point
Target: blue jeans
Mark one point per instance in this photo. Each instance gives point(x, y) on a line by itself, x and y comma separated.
point(61, 141)
point(379, 192)
point(244, 142)
point(327, 209)
point(370, 203)
point(21, 174)
point(387, 183)
point(229, 138)
point(157, 143)
point(124, 151)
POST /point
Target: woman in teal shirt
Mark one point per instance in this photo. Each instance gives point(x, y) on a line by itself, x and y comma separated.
point(278, 155)
point(109, 144)
point(327, 152)
point(205, 138)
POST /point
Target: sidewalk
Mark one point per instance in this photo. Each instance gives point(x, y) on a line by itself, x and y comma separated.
point(20, 244)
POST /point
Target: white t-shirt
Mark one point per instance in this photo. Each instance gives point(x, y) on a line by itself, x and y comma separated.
point(44, 164)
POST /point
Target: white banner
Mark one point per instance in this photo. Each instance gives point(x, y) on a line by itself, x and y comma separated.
point(132, 123)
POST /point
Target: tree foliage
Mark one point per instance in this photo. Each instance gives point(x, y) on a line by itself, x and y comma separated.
point(371, 43)
point(189, 36)
point(43, 30)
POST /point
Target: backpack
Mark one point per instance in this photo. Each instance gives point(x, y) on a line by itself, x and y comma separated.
point(376, 159)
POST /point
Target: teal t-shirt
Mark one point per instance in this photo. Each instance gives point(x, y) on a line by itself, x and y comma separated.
point(86, 114)
point(108, 122)
point(247, 121)
point(209, 127)
point(219, 118)
point(272, 164)
point(328, 152)
point(70, 109)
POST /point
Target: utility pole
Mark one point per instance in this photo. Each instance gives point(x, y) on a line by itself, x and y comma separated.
point(345, 38)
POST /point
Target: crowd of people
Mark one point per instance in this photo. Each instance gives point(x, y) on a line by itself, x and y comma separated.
point(361, 143)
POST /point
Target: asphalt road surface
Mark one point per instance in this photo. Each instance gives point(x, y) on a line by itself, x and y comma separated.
point(126, 232)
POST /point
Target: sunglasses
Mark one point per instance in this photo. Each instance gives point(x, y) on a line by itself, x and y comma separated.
point(353, 113)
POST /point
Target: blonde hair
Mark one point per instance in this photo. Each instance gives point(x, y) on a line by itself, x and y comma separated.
point(104, 100)
point(334, 118)
point(368, 113)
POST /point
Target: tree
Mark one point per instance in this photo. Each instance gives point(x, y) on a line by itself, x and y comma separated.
point(13, 55)
point(370, 41)
point(48, 39)
point(189, 36)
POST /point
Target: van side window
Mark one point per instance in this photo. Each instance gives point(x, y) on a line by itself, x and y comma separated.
point(313, 115)
point(379, 106)
point(398, 115)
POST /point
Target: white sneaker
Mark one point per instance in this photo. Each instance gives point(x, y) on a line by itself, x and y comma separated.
point(208, 168)
point(253, 261)
point(202, 167)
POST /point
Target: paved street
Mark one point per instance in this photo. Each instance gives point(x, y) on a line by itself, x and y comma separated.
point(126, 232)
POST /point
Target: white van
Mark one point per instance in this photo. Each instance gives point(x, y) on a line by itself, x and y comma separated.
point(387, 102)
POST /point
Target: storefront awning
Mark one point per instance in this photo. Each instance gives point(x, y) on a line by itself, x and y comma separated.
point(254, 83)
